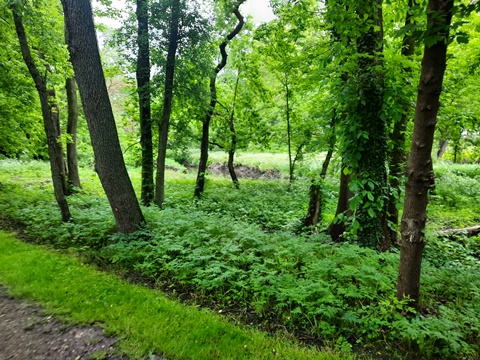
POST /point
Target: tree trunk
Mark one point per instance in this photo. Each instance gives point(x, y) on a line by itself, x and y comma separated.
point(143, 89)
point(316, 202)
point(338, 227)
point(419, 164)
point(50, 120)
point(442, 147)
point(233, 138)
point(289, 130)
point(202, 165)
point(167, 103)
point(72, 158)
point(397, 154)
point(371, 173)
point(109, 163)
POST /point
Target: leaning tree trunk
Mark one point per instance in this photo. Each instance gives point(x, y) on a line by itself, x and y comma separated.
point(233, 138)
point(167, 103)
point(397, 154)
point(419, 170)
point(50, 120)
point(72, 158)
point(143, 89)
point(316, 200)
point(109, 163)
point(202, 165)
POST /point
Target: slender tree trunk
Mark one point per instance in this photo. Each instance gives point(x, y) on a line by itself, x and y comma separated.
point(50, 120)
point(289, 130)
point(167, 102)
point(419, 164)
point(72, 158)
point(316, 201)
point(109, 163)
point(143, 89)
point(397, 154)
point(233, 138)
point(338, 227)
point(202, 165)
point(442, 147)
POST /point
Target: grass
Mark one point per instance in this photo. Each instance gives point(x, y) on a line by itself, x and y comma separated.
point(144, 319)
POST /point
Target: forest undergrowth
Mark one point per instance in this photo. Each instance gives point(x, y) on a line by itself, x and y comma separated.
point(238, 252)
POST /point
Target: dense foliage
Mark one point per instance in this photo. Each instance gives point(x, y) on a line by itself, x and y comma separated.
point(340, 293)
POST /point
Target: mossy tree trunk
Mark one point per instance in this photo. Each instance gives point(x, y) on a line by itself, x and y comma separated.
point(50, 116)
point(144, 97)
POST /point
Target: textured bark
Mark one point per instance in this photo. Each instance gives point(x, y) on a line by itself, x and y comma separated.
point(109, 161)
point(167, 102)
point(371, 167)
point(143, 89)
point(50, 120)
point(419, 164)
point(202, 165)
point(397, 155)
point(72, 158)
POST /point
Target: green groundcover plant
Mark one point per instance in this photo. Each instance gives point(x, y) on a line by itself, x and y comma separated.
point(340, 293)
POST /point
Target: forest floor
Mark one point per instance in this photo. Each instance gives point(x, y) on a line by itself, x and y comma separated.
point(26, 332)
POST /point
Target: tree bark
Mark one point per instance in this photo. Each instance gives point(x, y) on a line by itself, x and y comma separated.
point(167, 103)
point(202, 165)
point(338, 227)
point(316, 201)
point(72, 158)
point(233, 138)
point(50, 120)
point(109, 163)
point(397, 155)
point(442, 147)
point(419, 164)
point(144, 97)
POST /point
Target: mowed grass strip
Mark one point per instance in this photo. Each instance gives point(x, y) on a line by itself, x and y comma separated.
point(143, 319)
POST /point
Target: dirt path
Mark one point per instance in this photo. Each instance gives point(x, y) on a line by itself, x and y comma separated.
point(27, 334)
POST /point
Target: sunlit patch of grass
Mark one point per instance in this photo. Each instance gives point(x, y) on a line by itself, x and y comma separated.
point(145, 320)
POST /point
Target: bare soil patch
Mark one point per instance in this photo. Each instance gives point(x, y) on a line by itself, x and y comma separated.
point(27, 333)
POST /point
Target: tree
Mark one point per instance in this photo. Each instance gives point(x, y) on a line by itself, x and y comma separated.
point(419, 168)
point(109, 163)
point(167, 100)
point(143, 89)
point(50, 114)
point(202, 166)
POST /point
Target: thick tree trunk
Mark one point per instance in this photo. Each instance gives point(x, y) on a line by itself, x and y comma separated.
point(109, 161)
point(167, 103)
point(50, 120)
point(371, 173)
point(72, 158)
point(419, 164)
point(397, 155)
point(143, 89)
point(202, 165)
